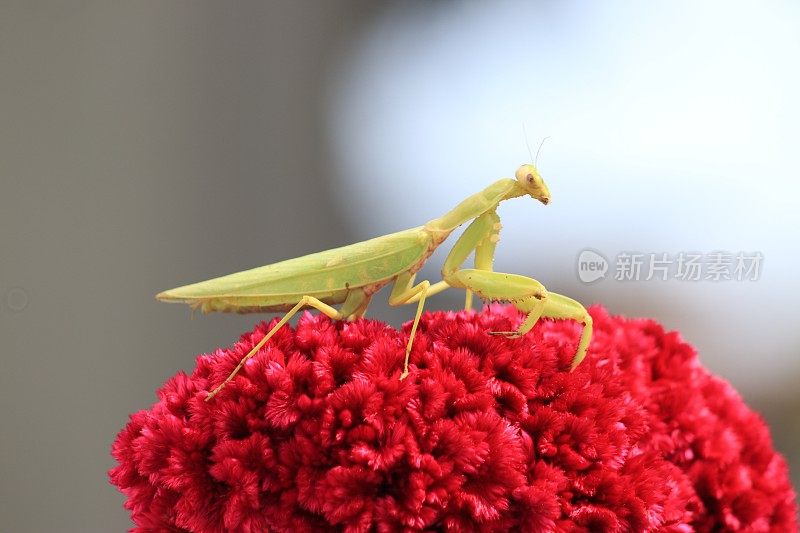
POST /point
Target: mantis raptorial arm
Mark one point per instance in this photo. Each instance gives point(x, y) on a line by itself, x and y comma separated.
point(560, 306)
point(481, 236)
point(527, 294)
point(484, 254)
point(356, 300)
point(484, 251)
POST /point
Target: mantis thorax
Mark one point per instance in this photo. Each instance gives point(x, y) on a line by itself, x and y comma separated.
point(527, 182)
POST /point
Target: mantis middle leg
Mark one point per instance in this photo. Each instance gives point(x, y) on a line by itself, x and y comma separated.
point(403, 292)
point(356, 301)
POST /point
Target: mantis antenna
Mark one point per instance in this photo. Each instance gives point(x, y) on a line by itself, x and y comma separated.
point(527, 143)
point(536, 160)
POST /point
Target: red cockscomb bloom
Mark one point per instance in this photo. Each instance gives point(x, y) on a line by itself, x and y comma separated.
point(317, 433)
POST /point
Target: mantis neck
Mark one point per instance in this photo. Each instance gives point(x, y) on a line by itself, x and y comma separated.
point(475, 205)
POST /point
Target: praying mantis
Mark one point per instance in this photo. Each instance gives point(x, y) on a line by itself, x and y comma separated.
point(351, 275)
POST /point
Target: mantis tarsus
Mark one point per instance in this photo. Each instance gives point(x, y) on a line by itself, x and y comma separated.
point(352, 274)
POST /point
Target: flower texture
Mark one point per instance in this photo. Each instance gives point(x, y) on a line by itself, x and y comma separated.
point(317, 433)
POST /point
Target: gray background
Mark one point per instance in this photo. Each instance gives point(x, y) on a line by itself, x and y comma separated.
point(144, 145)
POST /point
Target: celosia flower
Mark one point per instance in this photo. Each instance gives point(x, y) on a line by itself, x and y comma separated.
point(317, 433)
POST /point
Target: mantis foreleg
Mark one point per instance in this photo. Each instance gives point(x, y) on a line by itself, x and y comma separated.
point(484, 251)
point(526, 294)
point(484, 247)
point(481, 236)
point(356, 301)
point(560, 306)
point(530, 297)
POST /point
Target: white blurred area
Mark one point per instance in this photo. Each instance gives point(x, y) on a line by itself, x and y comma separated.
point(674, 127)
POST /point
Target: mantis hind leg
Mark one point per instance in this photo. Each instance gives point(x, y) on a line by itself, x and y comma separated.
point(356, 300)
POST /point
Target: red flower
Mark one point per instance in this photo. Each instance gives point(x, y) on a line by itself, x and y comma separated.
point(317, 433)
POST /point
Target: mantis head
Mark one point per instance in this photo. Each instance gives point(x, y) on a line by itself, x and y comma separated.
point(530, 180)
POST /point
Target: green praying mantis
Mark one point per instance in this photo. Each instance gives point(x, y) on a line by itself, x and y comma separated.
point(351, 275)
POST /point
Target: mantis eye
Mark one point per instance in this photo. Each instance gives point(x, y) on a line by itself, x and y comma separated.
point(530, 179)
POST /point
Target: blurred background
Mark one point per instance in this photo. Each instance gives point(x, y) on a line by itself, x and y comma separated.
point(145, 145)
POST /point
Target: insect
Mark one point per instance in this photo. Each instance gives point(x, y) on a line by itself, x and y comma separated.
point(352, 274)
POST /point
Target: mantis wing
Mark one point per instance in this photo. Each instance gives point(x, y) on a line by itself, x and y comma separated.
point(327, 275)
